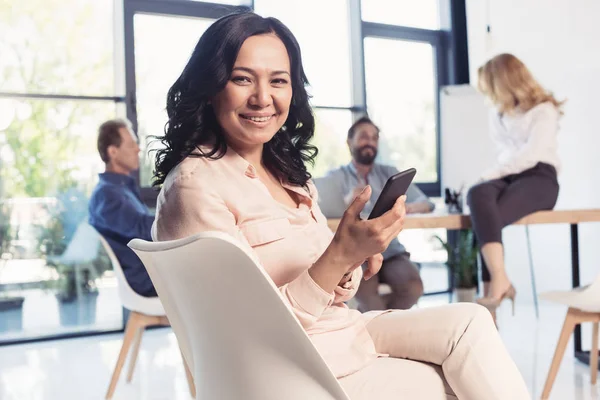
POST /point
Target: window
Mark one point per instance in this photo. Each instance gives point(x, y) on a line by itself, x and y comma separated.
point(57, 85)
point(326, 57)
point(49, 146)
point(418, 14)
point(330, 138)
point(401, 99)
point(163, 45)
point(328, 66)
point(63, 47)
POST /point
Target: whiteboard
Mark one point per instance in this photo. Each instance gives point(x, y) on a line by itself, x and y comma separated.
point(465, 149)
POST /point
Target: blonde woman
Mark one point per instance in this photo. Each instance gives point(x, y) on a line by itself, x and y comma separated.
point(524, 129)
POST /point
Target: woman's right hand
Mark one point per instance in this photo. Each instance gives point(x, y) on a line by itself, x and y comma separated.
point(357, 240)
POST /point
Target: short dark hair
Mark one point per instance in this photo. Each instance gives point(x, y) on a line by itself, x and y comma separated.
point(109, 135)
point(361, 120)
point(192, 120)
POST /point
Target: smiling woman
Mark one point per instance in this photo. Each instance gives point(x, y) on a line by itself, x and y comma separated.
point(239, 123)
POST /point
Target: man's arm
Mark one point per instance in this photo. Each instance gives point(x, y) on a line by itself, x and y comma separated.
point(417, 202)
point(115, 212)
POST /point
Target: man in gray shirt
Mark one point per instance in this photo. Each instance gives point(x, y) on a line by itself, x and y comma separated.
point(342, 185)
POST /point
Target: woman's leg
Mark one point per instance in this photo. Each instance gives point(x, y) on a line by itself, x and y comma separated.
point(487, 225)
point(462, 339)
point(498, 203)
point(398, 379)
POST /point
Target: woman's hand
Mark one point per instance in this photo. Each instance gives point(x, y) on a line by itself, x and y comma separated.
point(373, 266)
point(357, 240)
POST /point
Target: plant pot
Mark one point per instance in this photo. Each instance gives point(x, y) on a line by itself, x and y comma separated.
point(77, 311)
point(11, 313)
point(465, 295)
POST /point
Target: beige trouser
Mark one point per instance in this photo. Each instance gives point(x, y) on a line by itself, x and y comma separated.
point(460, 338)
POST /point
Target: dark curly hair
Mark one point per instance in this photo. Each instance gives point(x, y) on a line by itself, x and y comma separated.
point(192, 121)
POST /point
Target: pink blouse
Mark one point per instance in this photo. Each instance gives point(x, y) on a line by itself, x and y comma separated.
point(226, 195)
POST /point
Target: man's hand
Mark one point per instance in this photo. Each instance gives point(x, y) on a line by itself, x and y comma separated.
point(418, 208)
point(349, 198)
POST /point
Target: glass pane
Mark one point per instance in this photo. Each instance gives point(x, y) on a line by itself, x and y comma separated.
point(50, 284)
point(159, 38)
point(418, 14)
point(326, 57)
point(330, 138)
point(58, 47)
point(401, 87)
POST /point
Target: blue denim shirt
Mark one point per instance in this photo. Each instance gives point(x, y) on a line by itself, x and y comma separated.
point(117, 212)
point(346, 178)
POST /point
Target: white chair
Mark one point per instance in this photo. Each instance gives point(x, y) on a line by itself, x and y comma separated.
point(584, 306)
point(80, 253)
point(144, 312)
point(237, 335)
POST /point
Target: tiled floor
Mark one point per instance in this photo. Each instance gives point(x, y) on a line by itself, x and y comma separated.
point(80, 368)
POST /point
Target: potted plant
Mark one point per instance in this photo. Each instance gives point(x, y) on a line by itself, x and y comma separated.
point(462, 264)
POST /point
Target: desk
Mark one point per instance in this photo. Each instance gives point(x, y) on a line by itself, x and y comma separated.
point(463, 221)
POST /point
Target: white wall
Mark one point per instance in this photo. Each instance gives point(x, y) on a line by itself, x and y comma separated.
point(559, 41)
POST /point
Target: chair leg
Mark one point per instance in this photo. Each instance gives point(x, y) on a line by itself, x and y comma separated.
point(134, 354)
point(532, 273)
point(133, 324)
point(594, 355)
point(565, 334)
point(189, 377)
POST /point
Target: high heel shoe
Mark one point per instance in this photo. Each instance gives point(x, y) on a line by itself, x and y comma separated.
point(492, 304)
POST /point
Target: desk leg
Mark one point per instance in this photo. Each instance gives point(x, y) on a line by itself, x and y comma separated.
point(583, 356)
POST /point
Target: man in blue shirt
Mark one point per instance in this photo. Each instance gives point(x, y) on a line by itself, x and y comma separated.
point(342, 185)
point(115, 207)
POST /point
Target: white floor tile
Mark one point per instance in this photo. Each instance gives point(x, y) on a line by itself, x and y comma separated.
point(78, 369)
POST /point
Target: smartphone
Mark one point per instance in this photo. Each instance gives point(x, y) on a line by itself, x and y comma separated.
point(396, 186)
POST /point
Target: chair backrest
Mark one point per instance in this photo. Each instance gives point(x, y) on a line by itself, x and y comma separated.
point(585, 298)
point(589, 300)
point(237, 335)
point(83, 247)
point(129, 298)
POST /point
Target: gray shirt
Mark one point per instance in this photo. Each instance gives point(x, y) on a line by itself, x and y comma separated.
point(346, 179)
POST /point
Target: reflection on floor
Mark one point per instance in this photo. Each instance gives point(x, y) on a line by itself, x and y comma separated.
point(43, 314)
point(80, 368)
